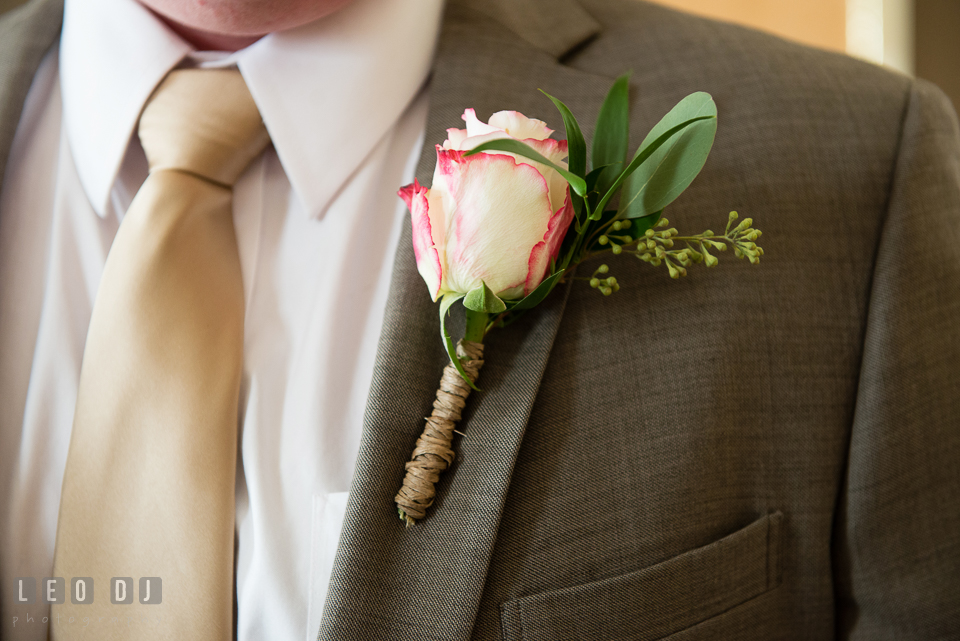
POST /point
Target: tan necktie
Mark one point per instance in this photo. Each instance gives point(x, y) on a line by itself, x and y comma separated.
point(149, 484)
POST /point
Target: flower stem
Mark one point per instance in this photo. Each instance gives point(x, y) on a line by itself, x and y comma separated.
point(434, 450)
point(476, 326)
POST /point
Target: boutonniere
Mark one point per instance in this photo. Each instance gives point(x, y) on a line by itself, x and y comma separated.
point(510, 214)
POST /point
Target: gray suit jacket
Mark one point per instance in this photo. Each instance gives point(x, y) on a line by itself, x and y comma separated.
point(750, 453)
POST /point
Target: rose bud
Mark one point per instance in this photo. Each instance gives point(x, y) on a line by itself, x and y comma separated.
point(494, 216)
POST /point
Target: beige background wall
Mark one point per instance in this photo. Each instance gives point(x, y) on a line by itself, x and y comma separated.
point(821, 23)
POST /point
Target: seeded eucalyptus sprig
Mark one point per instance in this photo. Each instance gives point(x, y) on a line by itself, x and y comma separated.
point(660, 246)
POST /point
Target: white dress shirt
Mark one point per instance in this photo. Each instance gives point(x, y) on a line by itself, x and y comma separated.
point(317, 221)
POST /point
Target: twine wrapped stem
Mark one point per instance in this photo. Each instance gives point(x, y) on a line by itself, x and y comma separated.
point(433, 453)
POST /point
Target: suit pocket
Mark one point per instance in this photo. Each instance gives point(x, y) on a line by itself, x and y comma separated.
point(659, 600)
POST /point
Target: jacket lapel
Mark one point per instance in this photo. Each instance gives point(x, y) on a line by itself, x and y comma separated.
point(26, 34)
point(425, 582)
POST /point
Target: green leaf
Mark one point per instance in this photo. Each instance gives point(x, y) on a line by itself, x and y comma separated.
point(577, 183)
point(643, 155)
point(445, 303)
point(535, 297)
point(594, 176)
point(671, 168)
point(592, 195)
point(576, 147)
point(612, 135)
point(482, 299)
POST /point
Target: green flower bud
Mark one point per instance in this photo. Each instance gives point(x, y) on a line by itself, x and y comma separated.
point(651, 244)
point(649, 233)
point(708, 234)
point(710, 261)
point(606, 291)
point(616, 287)
point(616, 249)
point(612, 281)
point(663, 222)
point(603, 240)
point(603, 269)
point(733, 216)
point(674, 273)
point(594, 282)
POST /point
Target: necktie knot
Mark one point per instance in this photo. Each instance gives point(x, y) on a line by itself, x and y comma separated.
point(204, 122)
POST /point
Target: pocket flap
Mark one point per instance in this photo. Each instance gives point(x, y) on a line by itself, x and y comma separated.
point(659, 600)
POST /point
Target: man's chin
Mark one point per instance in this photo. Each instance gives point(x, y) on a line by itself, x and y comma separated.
point(234, 24)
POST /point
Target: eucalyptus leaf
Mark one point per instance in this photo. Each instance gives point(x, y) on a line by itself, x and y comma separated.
point(671, 168)
point(576, 147)
point(482, 299)
point(445, 303)
point(577, 183)
point(593, 196)
point(612, 134)
point(643, 155)
point(594, 176)
point(535, 297)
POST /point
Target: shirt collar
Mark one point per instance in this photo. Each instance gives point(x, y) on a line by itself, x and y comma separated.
point(327, 91)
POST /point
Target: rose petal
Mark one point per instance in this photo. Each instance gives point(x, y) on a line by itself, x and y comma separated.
point(519, 126)
point(501, 211)
point(558, 226)
point(473, 141)
point(549, 248)
point(556, 152)
point(455, 138)
point(474, 126)
point(537, 266)
point(425, 248)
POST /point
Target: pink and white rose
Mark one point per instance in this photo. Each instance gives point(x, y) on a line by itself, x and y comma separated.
point(493, 217)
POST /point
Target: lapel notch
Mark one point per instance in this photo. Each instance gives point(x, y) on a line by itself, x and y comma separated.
point(555, 26)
